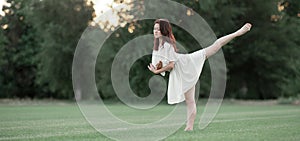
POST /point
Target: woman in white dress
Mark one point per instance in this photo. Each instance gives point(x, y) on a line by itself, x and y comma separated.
point(185, 69)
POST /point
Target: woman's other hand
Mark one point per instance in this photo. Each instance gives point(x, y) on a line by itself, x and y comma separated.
point(152, 68)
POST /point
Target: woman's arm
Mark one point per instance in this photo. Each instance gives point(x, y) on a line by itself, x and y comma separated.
point(168, 67)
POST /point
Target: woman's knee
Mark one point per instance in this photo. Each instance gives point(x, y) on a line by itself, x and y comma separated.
point(190, 101)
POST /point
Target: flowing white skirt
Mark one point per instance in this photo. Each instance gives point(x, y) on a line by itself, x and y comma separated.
point(185, 75)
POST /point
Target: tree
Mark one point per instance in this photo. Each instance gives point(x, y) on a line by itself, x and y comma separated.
point(37, 47)
point(17, 53)
point(59, 25)
point(264, 63)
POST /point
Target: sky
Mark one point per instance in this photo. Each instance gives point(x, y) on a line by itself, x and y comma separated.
point(3, 3)
point(100, 7)
point(103, 6)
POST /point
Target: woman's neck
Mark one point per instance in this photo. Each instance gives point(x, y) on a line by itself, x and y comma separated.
point(160, 41)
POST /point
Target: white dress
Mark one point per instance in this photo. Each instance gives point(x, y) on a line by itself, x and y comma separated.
point(185, 73)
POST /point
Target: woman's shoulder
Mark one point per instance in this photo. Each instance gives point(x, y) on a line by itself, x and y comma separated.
point(167, 44)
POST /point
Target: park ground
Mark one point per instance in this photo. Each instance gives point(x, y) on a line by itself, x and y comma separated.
point(49, 120)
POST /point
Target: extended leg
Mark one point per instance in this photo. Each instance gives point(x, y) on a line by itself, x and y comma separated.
point(191, 108)
point(211, 50)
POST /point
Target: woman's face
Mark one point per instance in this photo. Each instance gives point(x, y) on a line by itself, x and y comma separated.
point(156, 31)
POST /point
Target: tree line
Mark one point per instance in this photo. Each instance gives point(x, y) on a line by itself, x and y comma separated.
point(38, 40)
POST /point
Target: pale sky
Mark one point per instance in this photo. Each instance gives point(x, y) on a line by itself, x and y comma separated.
point(100, 7)
point(3, 3)
point(103, 6)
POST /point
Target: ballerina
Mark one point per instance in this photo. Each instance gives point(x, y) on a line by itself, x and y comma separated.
point(184, 69)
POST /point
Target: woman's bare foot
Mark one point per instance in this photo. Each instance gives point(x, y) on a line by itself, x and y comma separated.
point(244, 29)
point(190, 121)
point(188, 129)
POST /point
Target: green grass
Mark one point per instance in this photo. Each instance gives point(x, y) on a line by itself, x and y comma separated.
point(48, 121)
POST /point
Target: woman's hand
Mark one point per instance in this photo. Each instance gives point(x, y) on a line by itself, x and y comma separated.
point(169, 67)
point(152, 69)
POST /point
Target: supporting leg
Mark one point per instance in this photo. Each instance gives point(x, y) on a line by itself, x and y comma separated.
point(191, 108)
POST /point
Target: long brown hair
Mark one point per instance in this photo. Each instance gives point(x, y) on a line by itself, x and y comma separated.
point(166, 32)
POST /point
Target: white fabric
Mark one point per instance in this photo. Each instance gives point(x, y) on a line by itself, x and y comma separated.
point(186, 72)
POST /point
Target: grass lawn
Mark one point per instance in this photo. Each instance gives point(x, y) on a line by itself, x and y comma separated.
point(56, 120)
